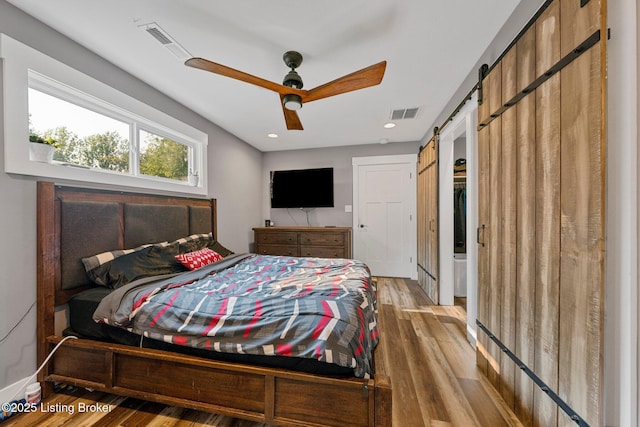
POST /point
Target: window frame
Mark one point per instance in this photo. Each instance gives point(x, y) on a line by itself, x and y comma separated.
point(25, 67)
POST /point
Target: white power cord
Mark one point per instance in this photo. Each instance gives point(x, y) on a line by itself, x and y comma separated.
point(28, 380)
point(306, 211)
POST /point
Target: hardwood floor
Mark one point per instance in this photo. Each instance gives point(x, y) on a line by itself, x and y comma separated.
point(431, 364)
point(433, 373)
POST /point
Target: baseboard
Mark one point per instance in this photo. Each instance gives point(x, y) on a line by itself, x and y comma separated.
point(471, 335)
point(14, 391)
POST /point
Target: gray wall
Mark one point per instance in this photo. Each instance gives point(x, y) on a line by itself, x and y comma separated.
point(234, 179)
point(340, 159)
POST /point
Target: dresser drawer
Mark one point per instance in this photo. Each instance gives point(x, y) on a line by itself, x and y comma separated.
point(322, 239)
point(278, 238)
point(322, 251)
point(286, 250)
point(320, 242)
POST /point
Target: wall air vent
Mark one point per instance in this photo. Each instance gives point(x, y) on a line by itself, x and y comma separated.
point(404, 113)
point(155, 31)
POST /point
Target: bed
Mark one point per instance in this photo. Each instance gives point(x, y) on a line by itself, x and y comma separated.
point(250, 383)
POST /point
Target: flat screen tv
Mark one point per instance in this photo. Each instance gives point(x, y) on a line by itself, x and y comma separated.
point(303, 188)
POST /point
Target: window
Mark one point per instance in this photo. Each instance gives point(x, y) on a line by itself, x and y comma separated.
point(163, 157)
point(82, 137)
point(101, 135)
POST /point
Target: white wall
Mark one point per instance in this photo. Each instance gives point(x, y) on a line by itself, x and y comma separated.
point(235, 179)
point(621, 267)
point(636, 378)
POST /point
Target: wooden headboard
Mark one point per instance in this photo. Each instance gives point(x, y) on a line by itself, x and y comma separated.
point(73, 223)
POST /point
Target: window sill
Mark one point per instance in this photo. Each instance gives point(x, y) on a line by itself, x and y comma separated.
point(68, 172)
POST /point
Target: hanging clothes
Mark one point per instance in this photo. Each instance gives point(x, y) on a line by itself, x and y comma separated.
point(460, 217)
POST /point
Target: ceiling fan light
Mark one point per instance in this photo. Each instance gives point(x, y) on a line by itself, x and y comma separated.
point(293, 80)
point(292, 102)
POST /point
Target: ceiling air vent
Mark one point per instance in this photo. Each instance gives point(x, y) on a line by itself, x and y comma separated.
point(404, 113)
point(166, 40)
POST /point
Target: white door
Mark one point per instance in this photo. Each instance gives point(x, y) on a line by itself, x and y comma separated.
point(384, 212)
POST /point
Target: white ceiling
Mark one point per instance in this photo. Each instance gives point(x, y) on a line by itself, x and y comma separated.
point(430, 47)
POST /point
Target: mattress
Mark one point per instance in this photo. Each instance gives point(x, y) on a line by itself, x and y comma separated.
point(83, 305)
point(314, 308)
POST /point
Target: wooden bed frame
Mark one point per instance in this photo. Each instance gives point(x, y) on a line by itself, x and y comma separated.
point(267, 395)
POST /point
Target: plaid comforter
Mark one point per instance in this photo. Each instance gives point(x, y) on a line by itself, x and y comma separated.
point(317, 308)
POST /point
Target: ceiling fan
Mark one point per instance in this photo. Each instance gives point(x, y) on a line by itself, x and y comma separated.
point(292, 96)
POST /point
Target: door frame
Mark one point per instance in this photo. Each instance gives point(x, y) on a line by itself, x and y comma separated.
point(464, 123)
point(412, 160)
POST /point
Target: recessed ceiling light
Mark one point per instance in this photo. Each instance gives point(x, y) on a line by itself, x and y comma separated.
point(272, 135)
point(389, 125)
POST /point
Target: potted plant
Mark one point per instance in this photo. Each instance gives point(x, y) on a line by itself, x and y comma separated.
point(193, 178)
point(41, 149)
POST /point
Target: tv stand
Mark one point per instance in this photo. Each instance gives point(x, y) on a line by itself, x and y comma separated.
point(322, 242)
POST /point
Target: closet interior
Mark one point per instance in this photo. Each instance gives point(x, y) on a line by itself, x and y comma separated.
point(460, 220)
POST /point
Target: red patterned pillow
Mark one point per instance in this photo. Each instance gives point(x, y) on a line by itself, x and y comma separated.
point(197, 259)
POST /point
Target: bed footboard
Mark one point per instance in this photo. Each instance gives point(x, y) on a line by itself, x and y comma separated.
point(266, 395)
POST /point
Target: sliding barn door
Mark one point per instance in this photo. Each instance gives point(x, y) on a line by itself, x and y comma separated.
point(541, 213)
point(428, 219)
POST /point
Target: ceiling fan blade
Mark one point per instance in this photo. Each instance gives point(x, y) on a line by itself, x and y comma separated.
point(361, 79)
point(291, 117)
point(223, 70)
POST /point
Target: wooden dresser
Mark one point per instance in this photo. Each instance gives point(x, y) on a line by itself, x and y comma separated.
point(323, 242)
